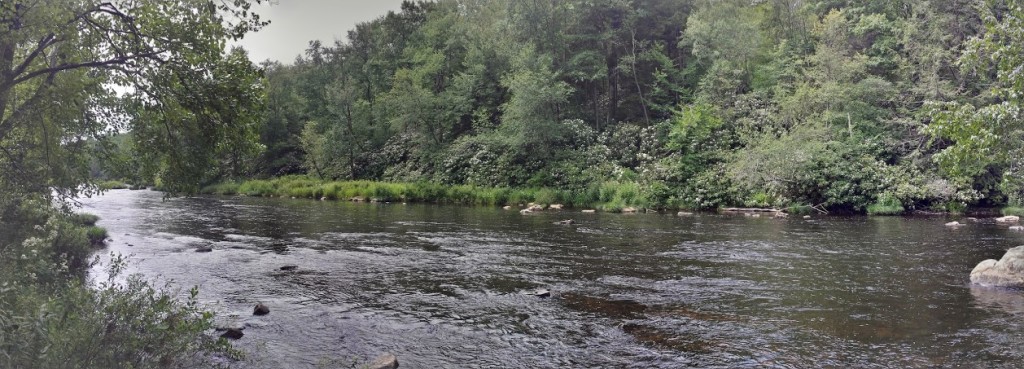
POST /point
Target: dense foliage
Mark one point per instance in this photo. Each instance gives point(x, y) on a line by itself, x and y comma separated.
point(700, 104)
point(73, 75)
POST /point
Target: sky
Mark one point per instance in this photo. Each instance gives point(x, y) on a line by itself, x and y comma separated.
point(293, 23)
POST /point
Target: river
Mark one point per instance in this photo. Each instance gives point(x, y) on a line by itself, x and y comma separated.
point(449, 286)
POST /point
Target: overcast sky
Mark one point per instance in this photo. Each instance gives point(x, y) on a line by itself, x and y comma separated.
point(293, 23)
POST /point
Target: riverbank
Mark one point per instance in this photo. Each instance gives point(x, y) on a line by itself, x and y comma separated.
point(611, 196)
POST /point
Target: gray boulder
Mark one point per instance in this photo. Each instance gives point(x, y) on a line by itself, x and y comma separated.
point(386, 361)
point(1006, 272)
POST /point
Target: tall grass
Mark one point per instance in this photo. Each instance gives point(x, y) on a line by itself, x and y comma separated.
point(609, 196)
point(886, 205)
point(1014, 210)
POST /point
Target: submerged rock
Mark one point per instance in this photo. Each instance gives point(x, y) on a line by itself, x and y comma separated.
point(289, 267)
point(386, 361)
point(261, 309)
point(684, 214)
point(1006, 272)
point(556, 206)
point(589, 211)
point(232, 333)
point(1017, 228)
point(566, 222)
point(205, 249)
point(542, 293)
point(955, 224)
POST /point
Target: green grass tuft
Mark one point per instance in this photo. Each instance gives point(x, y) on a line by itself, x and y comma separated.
point(96, 235)
point(85, 219)
point(1014, 210)
point(887, 205)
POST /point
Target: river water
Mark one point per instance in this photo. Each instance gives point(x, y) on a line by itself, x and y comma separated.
point(448, 286)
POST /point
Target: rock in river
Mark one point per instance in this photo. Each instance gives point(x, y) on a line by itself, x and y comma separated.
point(205, 249)
point(565, 222)
point(1006, 272)
point(232, 333)
point(386, 361)
point(289, 267)
point(1008, 219)
point(261, 309)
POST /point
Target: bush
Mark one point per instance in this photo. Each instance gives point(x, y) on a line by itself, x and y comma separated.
point(51, 318)
point(1014, 210)
point(85, 219)
point(886, 205)
point(96, 235)
point(112, 185)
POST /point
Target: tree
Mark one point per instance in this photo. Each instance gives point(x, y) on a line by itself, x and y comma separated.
point(987, 135)
point(60, 61)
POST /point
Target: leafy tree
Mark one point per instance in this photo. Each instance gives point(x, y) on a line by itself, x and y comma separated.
point(987, 134)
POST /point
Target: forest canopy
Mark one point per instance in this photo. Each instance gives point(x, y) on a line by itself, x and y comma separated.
point(701, 104)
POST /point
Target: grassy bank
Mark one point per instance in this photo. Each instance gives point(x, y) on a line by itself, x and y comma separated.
point(1014, 210)
point(609, 196)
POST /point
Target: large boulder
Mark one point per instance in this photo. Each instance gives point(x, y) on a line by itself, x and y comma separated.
point(1006, 272)
point(261, 309)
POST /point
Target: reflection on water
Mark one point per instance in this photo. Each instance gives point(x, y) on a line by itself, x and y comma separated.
point(450, 286)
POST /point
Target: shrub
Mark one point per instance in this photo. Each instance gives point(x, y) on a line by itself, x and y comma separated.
point(96, 235)
point(886, 205)
point(800, 209)
point(112, 185)
point(51, 318)
point(1014, 210)
point(85, 219)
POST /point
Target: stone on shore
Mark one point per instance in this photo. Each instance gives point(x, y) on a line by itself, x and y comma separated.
point(1006, 272)
point(386, 361)
point(589, 211)
point(629, 210)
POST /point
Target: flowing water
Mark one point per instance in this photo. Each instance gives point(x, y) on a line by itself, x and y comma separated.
point(449, 286)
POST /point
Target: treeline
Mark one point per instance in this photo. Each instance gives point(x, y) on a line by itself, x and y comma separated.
point(699, 104)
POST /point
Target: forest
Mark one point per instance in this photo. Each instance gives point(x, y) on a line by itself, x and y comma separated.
point(842, 105)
